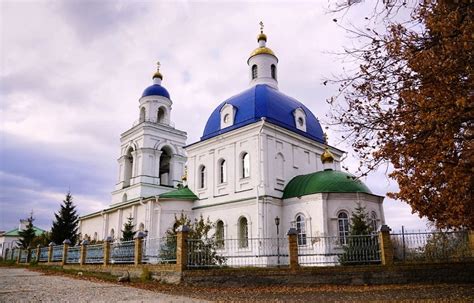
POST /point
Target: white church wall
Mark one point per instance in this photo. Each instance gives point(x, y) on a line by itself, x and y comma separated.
point(311, 207)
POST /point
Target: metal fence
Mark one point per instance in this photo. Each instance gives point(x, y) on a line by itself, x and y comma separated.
point(430, 246)
point(57, 253)
point(43, 257)
point(23, 255)
point(330, 250)
point(159, 250)
point(95, 254)
point(122, 252)
point(73, 254)
point(263, 252)
point(15, 253)
point(33, 256)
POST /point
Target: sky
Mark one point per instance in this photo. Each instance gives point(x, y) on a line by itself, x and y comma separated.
point(71, 74)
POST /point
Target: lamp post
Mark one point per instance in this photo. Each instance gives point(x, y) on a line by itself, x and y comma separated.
point(277, 223)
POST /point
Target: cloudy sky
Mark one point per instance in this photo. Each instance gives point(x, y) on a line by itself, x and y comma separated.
point(71, 74)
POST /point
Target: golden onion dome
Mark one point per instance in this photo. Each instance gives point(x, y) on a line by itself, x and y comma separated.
point(262, 36)
point(157, 74)
point(327, 156)
point(262, 50)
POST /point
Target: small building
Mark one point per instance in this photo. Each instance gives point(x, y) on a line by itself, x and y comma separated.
point(9, 239)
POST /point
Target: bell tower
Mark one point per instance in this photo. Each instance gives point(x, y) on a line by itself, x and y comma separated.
point(152, 158)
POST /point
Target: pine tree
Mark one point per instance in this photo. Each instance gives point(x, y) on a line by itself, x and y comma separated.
point(28, 234)
point(127, 232)
point(65, 224)
point(362, 245)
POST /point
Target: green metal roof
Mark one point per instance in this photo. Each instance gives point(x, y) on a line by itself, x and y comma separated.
point(180, 194)
point(14, 232)
point(327, 181)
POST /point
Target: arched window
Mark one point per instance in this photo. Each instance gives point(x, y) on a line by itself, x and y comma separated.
point(142, 114)
point(124, 197)
point(254, 71)
point(160, 115)
point(95, 237)
point(373, 221)
point(222, 171)
point(112, 234)
point(243, 233)
point(220, 234)
point(245, 162)
point(165, 161)
point(301, 229)
point(274, 71)
point(128, 168)
point(343, 227)
point(141, 227)
point(202, 176)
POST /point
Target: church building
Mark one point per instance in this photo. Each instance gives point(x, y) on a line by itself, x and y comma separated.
point(262, 155)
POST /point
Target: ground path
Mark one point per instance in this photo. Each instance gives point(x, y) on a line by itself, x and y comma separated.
point(21, 285)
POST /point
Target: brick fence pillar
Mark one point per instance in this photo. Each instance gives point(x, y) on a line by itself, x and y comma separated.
point(66, 244)
point(107, 242)
point(293, 248)
point(182, 247)
point(138, 247)
point(50, 251)
point(386, 247)
point(83, 252)
point(38, 252)
point(471, 241)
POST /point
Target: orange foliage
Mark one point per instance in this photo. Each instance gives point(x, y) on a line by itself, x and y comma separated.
point(411, 103)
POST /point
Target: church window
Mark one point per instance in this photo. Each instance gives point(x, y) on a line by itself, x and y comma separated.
point(300, 121)
point(161, 115)
point(222, 171)
point(254, 71)
point(343, 227)
point(274, 71)
point(141, 227)
point(245, 165)
point(95, 237)
point(128, 168)
point(112, 234)
point(142, 114)
point(202, 176)
point(220, 234)
point(280, 166)
point(165, 162)
point(226, 118)
point(124, 197)
point(373, 221)
point(301, 229)
point(243, 233)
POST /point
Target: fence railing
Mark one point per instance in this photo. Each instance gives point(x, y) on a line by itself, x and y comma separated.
point(430, 246)
point(73, 254)
point(57, 253)
point(43, 256)
point(159, 250)
point(95, 254)
point(122, 252)
point(320, 251)
point(255, 252)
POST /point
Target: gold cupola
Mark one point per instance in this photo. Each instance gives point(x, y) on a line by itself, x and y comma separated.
point(326, 156)
point(262, 49)
point(157, 74)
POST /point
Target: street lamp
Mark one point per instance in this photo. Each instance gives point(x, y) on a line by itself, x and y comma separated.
point(277, 223)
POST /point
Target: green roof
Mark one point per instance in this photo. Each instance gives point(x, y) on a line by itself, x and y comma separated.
point(180, 194)
point(327, 181)
point(14, 232)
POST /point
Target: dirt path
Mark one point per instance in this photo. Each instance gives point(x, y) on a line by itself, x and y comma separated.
point(21, 285)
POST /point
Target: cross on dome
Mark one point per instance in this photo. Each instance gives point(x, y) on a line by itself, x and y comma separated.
point(157, 75)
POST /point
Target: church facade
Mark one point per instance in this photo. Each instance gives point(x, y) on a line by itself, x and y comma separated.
point(263, 155)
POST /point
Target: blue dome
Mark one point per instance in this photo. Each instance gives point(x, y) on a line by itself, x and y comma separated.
point(156, 90)
point(263, 101)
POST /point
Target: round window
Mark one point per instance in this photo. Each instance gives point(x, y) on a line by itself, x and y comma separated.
point(300, 121)
point(226, 118)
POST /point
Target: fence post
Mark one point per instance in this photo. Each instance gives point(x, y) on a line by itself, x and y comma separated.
point(386, 247)
point(38, 251)
point(182, 247)
point(83, 253)
point(66, 244)
point(107, 242)
point(18, 258)
point(293, 248)
point(50, 252)
point(138, 247)
point(471, 241)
